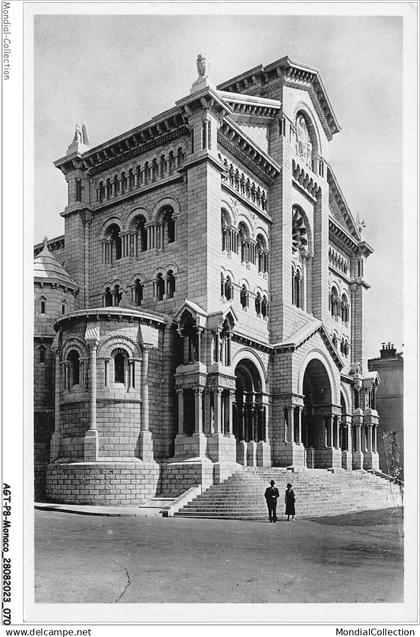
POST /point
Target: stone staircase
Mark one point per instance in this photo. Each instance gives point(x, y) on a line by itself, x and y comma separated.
point(318, 492)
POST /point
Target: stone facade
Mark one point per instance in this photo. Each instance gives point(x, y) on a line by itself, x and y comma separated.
point(216, 319)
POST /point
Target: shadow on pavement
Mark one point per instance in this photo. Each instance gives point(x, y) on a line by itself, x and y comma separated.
point(379, 517)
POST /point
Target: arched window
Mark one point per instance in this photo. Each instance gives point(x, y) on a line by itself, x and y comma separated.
point(303, 141)
point(344, 309)
point(131, 179)
point(43, 305)
point(169, 224)
point(264, 306)
point(42, 353)
point(123, 182)
point(108, 188)
point(244, 296)
point(170, 284)
point(226, 231)
point(171, 162)
point(244, 242)
point(225, 336)
point(119, 367)
point(228, 289)
point(101, 192)
point(297, 287)
point(258, 301)
point(117, 294)
point(108, 297)
point(116, 186)
point(138, 292)
point(160, 286)
point(63, 307)
point(74, 364)
point(262, 254)
point(155, 170)
point(162, 165)
point(114, 239)
point(334, 302)
point(139, 226)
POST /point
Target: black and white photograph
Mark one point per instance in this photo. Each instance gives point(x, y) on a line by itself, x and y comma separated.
point(216, 414)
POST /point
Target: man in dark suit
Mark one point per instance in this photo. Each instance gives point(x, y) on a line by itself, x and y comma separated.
point(271, 495)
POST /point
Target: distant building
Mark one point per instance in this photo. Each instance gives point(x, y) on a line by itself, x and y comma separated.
point(390, 406)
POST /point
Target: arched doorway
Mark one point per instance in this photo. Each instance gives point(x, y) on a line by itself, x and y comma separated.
point(320, 427)
point(249, 413)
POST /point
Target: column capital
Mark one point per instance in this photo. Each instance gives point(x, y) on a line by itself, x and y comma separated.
point(146, 347)
point(86, 216)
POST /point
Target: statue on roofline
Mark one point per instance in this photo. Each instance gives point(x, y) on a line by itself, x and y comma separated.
point(80, 135)
point(202, 66)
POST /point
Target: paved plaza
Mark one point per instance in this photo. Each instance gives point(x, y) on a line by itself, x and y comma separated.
point(95, 559)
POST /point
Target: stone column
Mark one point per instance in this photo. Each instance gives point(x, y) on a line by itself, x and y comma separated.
point(291, 423)
point(55, 438)
point(86, 221)
point(299, 440)
point(217, 410)
point(230, 402)
point(198, 331)
point(369, 438)
point(180, 393)
point(357, 453)
point(145, 441)
point(347, 454)
point(208, 425)
point(198, 391)
point(91, 438)
point(217, 337)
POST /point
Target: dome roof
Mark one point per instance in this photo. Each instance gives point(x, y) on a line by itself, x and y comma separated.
point(46, 267)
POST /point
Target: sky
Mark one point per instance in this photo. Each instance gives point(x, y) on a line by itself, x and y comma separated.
point(115, 72)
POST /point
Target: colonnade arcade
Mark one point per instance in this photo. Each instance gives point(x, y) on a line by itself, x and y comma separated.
point(250, 406)
point(332, 435)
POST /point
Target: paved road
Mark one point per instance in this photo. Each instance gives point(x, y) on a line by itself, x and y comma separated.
point(90, 559)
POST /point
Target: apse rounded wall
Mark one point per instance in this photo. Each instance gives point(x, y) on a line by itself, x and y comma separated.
point(114, 342)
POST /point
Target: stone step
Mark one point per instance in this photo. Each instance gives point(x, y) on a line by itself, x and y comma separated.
point(318, 492)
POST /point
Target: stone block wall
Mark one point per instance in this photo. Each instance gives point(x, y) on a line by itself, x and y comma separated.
point(118, 483)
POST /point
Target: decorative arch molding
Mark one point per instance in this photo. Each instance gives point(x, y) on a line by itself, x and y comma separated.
point(118, 282)
point(173, 267)
point(247, 223)
point(345, 392)
point(140, 275)
point(318, 354)
point(108, 345)
point(74, 343)
point(304, 108)
point(138, 212)
point(162, 203)
point(245, 282)
point(225, 205)
point(335, 283)
point(117, 220)
point(228, 273)
point(263, 232)
point(246, 353)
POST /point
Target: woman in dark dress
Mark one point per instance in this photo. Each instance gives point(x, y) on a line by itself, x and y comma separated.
point(290, 502)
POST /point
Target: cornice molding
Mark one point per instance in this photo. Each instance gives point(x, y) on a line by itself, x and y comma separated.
point(238, 144)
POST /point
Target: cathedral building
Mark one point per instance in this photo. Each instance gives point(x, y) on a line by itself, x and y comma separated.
point(203, 311)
